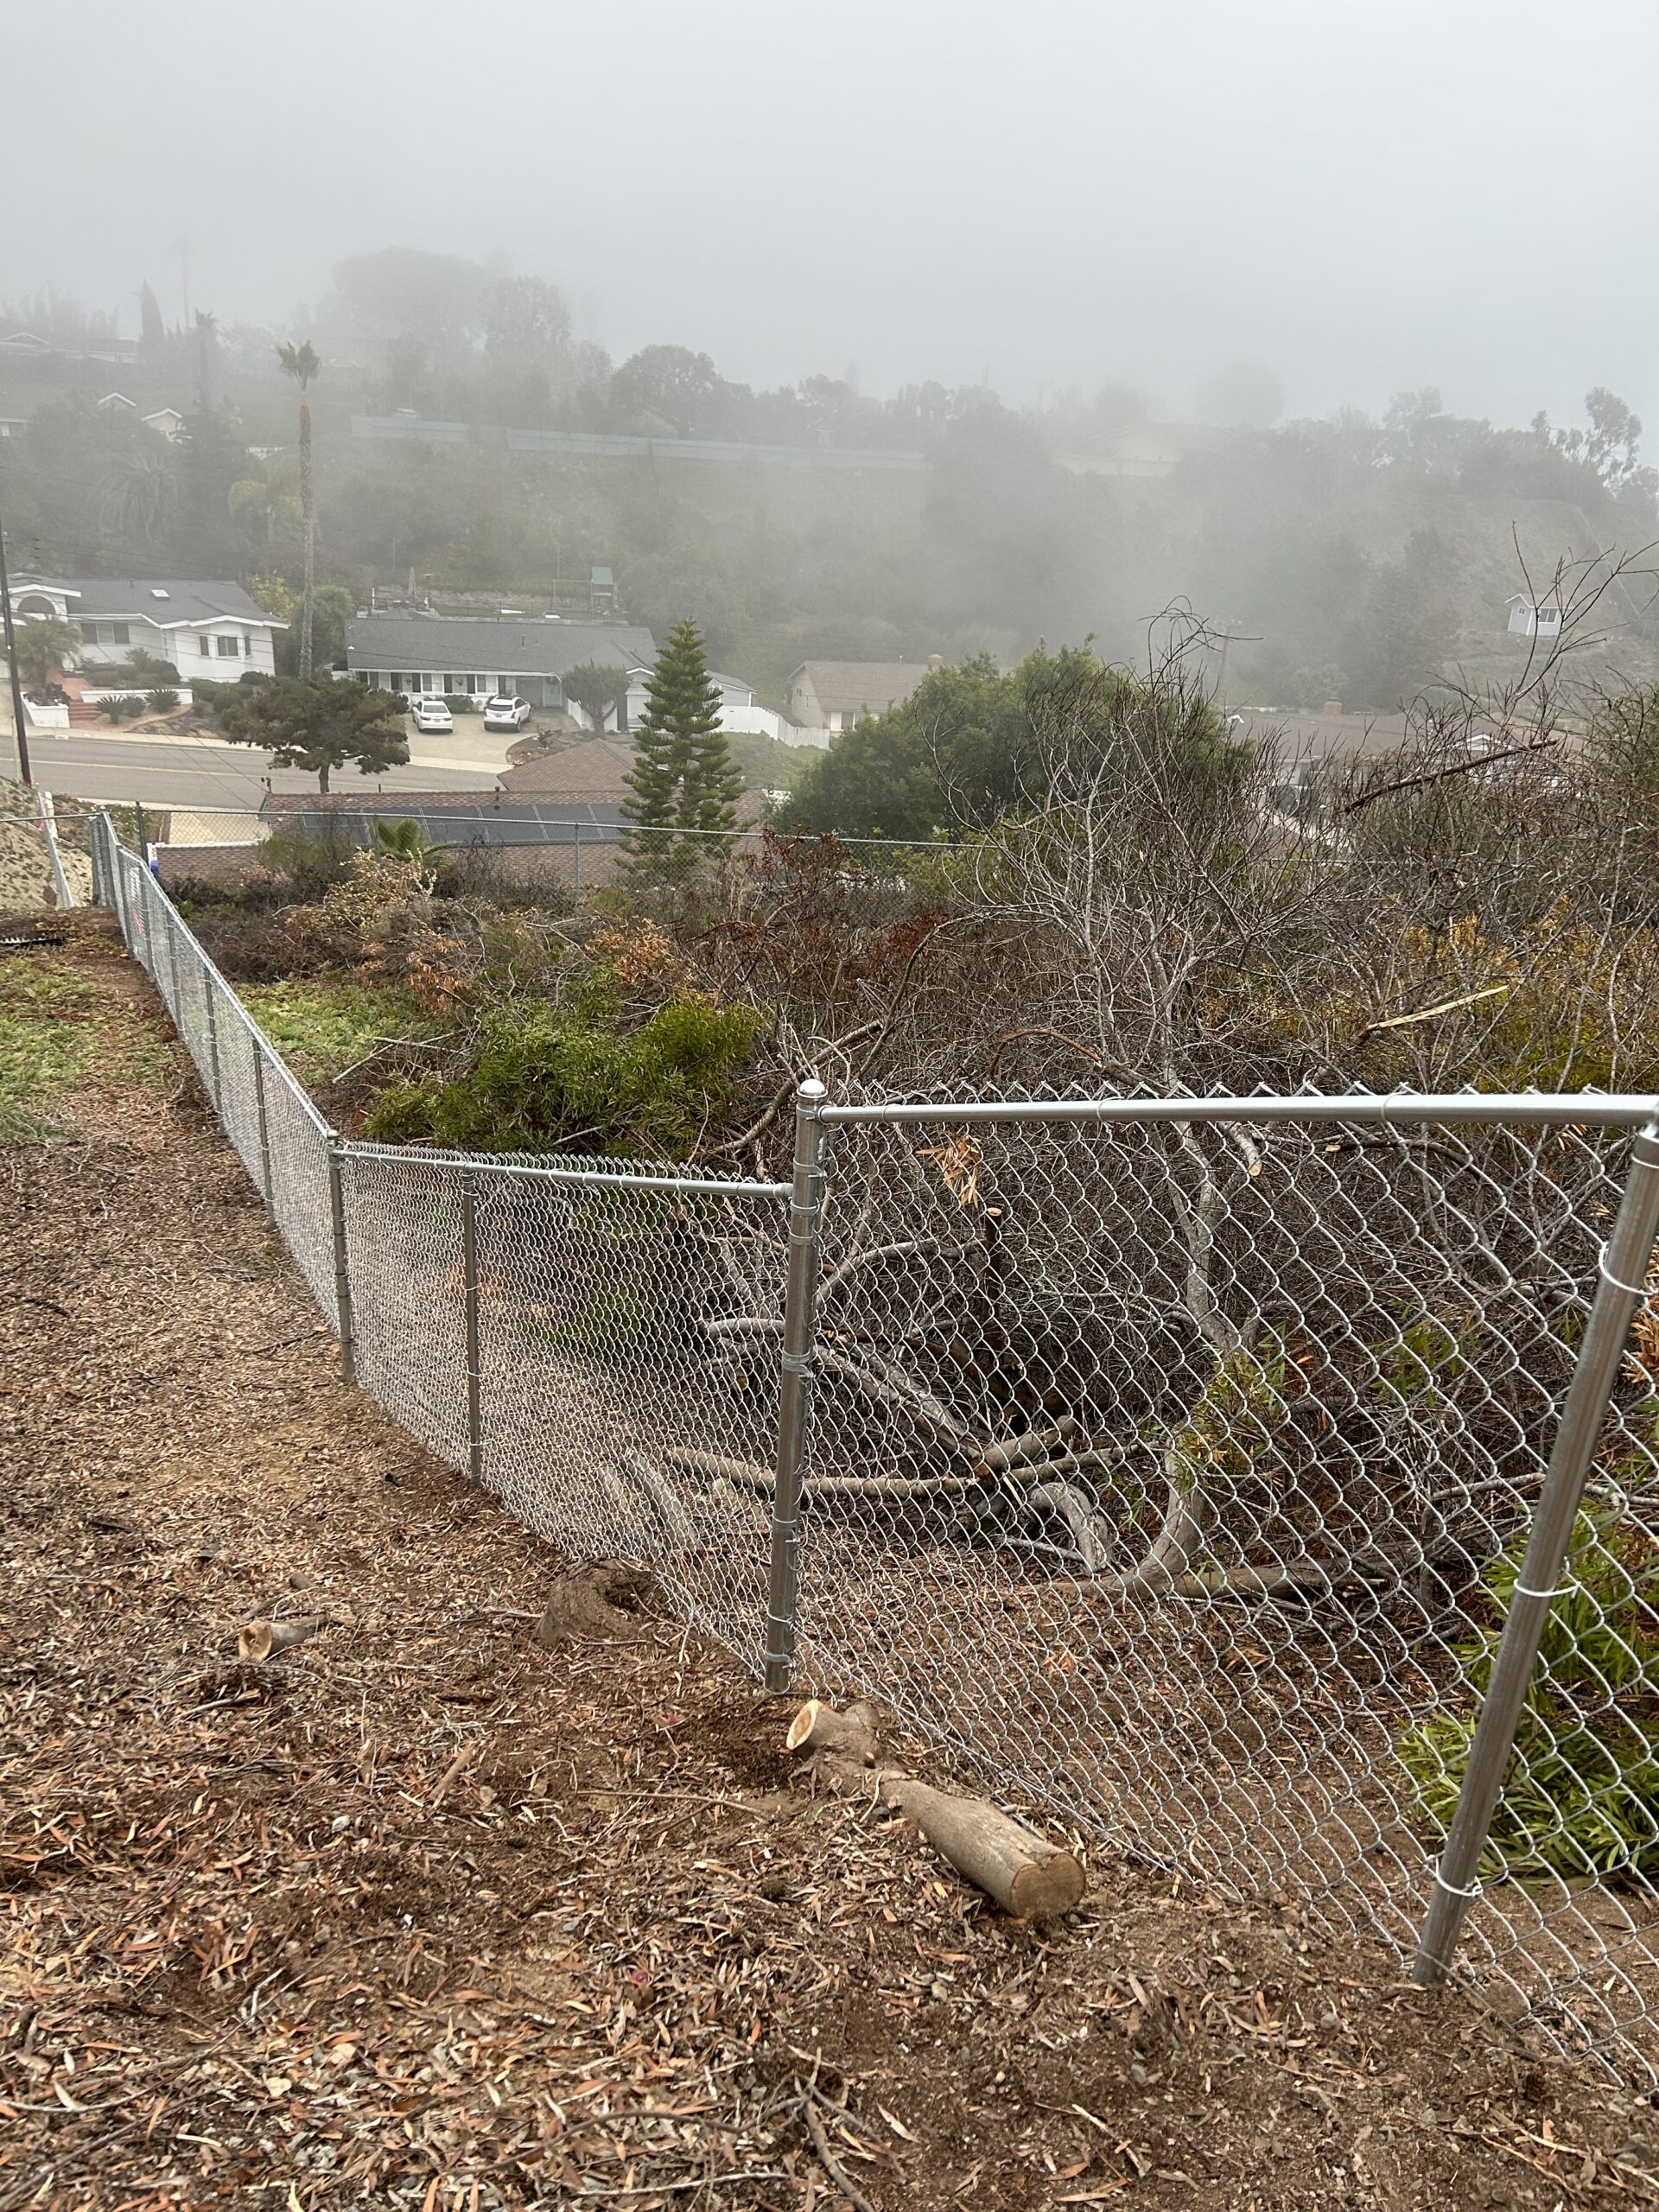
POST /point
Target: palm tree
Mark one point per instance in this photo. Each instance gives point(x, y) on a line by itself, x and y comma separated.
point(45, 645)
point(140, 494)
point(207, 353)
point(300, 362)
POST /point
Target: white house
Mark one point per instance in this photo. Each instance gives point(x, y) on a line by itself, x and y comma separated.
point(468, 655)
point(209, 631)
point(166, 421)
point(1534, 618)
point(739, 715)
point(826, 696)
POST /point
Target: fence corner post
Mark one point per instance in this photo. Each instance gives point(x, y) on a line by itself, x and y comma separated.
point(1620, 1288)
point(795, 1363)
point(342, 1272)
point(469, 1273)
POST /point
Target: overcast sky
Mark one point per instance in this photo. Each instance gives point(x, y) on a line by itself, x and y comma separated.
point(1359, 194)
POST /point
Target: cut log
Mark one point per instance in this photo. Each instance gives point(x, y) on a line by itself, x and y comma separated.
point(1026, 1450)
point(1026, 1877)
point(257, 1640)
point(819, 1727)
point(748, 1474)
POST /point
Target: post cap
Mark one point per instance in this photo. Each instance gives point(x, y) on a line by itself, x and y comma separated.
point(811, 1087)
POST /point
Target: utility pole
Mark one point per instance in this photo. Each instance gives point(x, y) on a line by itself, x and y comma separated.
point(11, 662)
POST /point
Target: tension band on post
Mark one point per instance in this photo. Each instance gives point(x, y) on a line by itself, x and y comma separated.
point(1476, 1888)
point(1631, 1289)
point(1559, 1591)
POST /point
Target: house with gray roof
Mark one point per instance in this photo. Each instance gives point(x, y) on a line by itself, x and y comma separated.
point(825, 697)
point(445, 653)
point(209, 630)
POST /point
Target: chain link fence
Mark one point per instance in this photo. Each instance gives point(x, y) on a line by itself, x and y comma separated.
point(1211, 1472)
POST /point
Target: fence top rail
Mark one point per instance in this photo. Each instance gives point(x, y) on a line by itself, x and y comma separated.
point(1587, 1108)
point(619, 1178)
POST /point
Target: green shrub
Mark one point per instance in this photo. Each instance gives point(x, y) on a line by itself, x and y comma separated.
point(162, 702)
point(1582, 1795)
point(461, 702)
point(546, 1078)
point(312, 861)
point(406, 840)
point(324, 1027)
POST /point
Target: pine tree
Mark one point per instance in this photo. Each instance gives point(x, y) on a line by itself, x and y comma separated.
point(683, 778)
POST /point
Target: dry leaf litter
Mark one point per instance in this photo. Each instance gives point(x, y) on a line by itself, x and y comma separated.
point(422, 1914)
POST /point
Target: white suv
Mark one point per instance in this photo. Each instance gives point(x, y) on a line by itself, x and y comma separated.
point(505, 713)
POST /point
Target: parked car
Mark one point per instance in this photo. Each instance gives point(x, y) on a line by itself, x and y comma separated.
point(431, 714)
point(503, 713)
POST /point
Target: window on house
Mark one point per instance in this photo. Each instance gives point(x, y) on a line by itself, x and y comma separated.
point(89, 633)
point(505, 687)
point(119, 633)
point(229, 648)
point(247, 642)
point(452, 683)
point(206, 644)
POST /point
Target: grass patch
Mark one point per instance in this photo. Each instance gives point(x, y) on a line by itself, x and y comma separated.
point(59, 1031)
point(322, 1027)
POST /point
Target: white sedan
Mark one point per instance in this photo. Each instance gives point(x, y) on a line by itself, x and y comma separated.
point(504, 713)
point(431, 714)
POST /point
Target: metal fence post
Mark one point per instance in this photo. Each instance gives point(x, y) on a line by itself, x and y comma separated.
point(1625, 1259)
point(172, 970)
point(212, 1039)
point(260, 1109)
point(800, 1298)
point(469, 1272)
point(575, 867)
point(342, 1272)
point(65, 897)
point(122, 921)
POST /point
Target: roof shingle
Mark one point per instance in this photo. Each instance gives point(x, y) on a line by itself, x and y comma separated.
point(414, 643)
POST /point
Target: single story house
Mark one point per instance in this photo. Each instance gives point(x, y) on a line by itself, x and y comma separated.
point(738, 712)
point(826, 697)
point(591, 774)
point(210, 630)
point(445, 654)
point(1534, 618)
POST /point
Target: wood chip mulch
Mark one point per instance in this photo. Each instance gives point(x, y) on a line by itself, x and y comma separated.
point(421, 1915)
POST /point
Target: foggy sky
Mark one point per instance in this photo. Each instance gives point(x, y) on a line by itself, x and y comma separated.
point(1362, 195)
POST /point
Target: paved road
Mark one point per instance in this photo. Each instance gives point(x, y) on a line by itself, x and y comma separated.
point(196, 771)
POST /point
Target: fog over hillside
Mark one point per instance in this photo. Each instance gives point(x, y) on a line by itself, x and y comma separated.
point(1353, 199)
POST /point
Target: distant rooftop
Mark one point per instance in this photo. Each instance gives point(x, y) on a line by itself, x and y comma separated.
point(517, 646)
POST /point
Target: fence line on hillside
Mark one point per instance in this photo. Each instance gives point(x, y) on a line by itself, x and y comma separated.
point(1208, 1473)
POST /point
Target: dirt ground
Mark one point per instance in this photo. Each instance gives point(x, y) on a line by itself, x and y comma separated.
point(419, 1914)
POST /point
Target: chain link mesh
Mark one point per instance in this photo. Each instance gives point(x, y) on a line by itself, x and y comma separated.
point(1175, 1477)
point(1171, 1474)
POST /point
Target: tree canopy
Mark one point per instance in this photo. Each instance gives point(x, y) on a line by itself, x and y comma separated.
point(683, 778)
point(595, 684)
point(319, 726)
point(974, 743)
